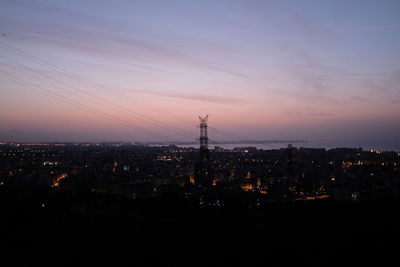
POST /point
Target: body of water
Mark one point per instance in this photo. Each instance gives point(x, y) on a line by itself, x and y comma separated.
point(326, 145)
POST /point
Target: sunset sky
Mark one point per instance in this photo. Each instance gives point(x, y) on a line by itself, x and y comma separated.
point(323, 71)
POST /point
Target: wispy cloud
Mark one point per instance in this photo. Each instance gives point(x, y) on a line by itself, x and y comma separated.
point(369, 27)
point(196, 97)
point(80, 34)
point(362, 74)
point(306, 112)
point(387, 87)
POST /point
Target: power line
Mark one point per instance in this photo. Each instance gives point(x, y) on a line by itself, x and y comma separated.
point(86, 108)
point(93, 83)
point(84, 80)
point(113, 105)
point(125, 97)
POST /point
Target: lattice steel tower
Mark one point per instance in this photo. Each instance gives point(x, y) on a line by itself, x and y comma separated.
point(203, 133)
point(202, 172)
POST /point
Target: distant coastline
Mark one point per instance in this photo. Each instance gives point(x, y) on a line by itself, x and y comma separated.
point(263, 144)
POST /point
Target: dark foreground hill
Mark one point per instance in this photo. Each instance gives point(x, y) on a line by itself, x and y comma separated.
point(59, 229)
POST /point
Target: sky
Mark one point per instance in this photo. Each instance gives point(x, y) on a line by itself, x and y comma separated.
point(321, 71)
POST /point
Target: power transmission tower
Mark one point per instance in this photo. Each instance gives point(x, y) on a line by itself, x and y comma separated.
point(290, 169)
point(202, 172)
point(203, 133)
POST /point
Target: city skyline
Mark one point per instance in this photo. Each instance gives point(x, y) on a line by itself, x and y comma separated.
point(325, 71)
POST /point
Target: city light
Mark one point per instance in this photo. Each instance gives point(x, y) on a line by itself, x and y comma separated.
point(56, 182)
